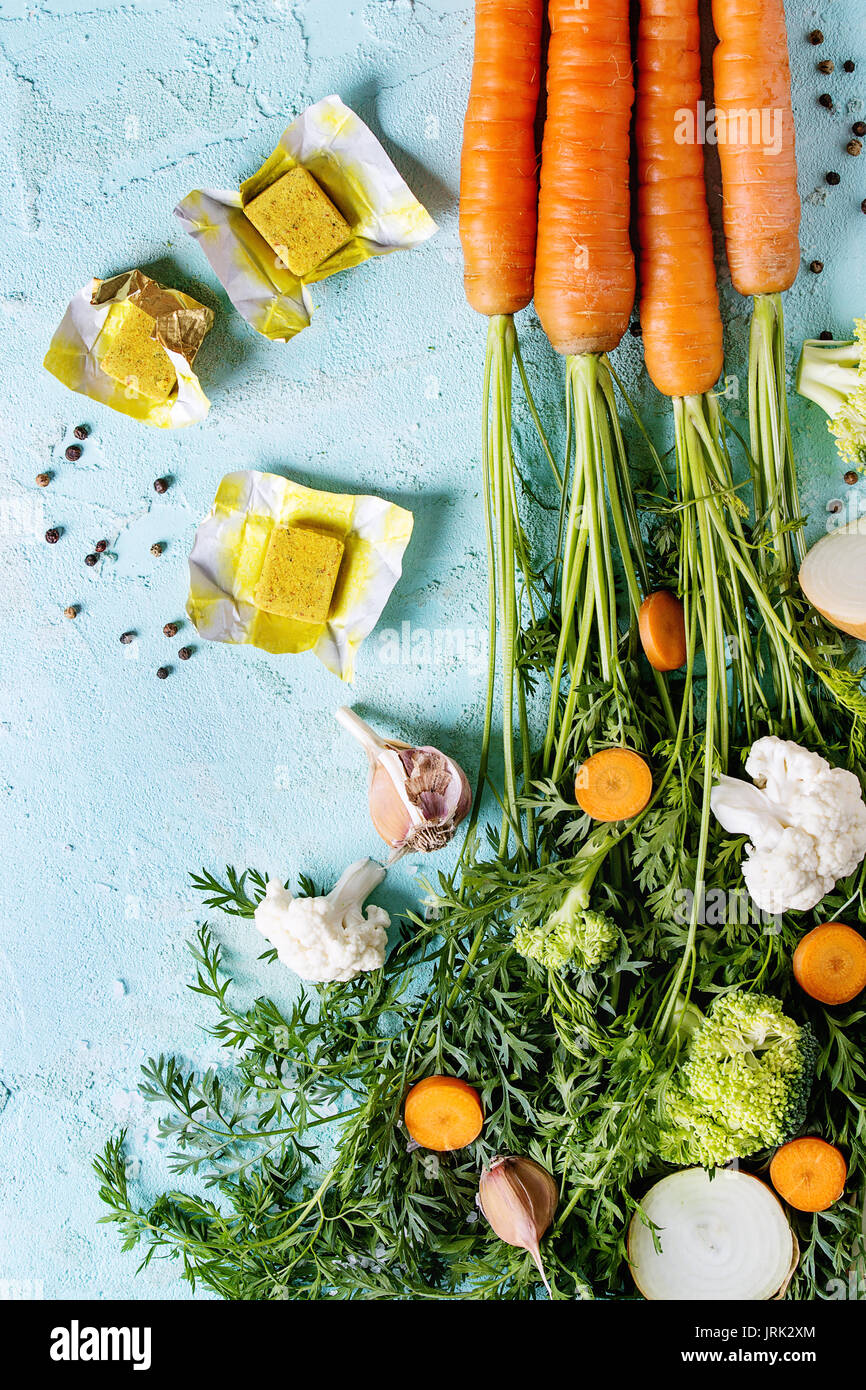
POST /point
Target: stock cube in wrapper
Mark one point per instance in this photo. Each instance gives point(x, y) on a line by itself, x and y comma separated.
point(298, 220)
point(299, 574)
point(292, 569)
point(130, 354)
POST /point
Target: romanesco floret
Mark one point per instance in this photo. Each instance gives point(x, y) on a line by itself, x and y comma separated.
point(743, 1084)
point(572, 935)
point(833, 375)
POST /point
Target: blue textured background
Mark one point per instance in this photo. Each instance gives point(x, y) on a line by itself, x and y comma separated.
point(113, 783)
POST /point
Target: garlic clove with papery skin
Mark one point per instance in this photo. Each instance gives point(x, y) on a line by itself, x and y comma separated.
point(417, 796)
point(519, 1199)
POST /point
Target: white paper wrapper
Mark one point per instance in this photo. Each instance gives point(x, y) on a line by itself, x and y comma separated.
point(229, 551)
point(72, 359)
point(348, 162)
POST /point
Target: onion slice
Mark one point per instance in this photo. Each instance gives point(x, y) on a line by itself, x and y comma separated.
point(833, 577)
point(724, 1237)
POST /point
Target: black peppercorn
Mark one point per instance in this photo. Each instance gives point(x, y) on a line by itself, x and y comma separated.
point(91, 560)
point(833, 178)
point(816, 37)
point(848, 65)
point(826, 65)
point(185, 653)
point(816, 267)
point(81, 431)
point(73, 453)
point(161, 485)
point(71, 611)
point(826, 101)
point(863, 205)
point(52, 535)
point(101, 547)
point(635, 330)
point(825, 335)
point(854, 147)
point(850, 477)
point(859, 127)
point(43, 479)
point(162, 673)
point(157, 548)
point(170, 629)
point(127, 637)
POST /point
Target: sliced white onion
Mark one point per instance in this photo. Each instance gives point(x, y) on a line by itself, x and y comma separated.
point(833, 577)
point(725, 1237)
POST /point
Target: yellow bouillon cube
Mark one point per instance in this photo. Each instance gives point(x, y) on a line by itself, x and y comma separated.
point(297, 218)
point(299, 574)
point(128, 352)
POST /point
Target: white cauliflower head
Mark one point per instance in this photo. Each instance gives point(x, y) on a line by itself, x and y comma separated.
point(806, 823)
point(329, 938)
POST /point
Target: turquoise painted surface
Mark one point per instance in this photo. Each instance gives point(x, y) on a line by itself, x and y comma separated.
point(114, 783)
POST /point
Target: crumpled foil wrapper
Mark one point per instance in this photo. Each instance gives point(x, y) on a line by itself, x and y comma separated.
point(181, 326)
point(348, 162)
point(230, 548)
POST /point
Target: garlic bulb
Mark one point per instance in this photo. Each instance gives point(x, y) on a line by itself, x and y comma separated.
point(418, 796)
point(519, 1199)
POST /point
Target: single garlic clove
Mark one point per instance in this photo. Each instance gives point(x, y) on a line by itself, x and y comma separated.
point(417, 796)
point(519, 1199)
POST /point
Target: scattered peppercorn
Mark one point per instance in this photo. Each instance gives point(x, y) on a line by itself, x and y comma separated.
point(833, 178)
point(850, 477)
point(71, 611)
point(859, 127)
point(81, 431)
point(816, 267)
point(825, 335)
point(73, 453)
point(635, 330)
point(863, 205)
point(127, 637)
point(101, 547)
point(185, 653)
point(170, 629)
point(162, 672)
point(157, 548)
point(91, 560)
point(816, 37)
point(161, 485)
point(854, 147)
point(849, 65)
point(834, 507)
point(43, 479)
point(52, 535)
point(826, 65)
point(826, 101)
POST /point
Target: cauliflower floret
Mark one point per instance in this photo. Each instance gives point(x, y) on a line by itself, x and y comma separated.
point(806, 823)
point(329, 938)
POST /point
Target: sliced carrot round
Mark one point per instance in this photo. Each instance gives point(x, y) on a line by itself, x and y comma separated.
point(662, 627)
point(613, 785)
point(830, 963)
point(443, 1113)
point(809, 1173)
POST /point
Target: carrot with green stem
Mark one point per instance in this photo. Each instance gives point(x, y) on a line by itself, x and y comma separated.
point(498, 217)
point(584, 294)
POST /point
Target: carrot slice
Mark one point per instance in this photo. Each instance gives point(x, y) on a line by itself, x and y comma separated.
point(662, 627)
point(830, 963)
point(614, 784)
point(443, 1112)
point(809, 1173)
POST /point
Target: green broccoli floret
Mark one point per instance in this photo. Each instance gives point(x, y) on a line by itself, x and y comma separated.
point(833, 375)
point(572, 935)
point(743, 1084)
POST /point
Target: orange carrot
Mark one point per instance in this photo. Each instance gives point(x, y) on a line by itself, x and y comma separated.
point(614, 784)
point(682, 325)
point(809, 1174)
point(757, 144)
point(662, 627)
point(584, 275)
point(830, 963)
point(498, 179)
point(443, 1113)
